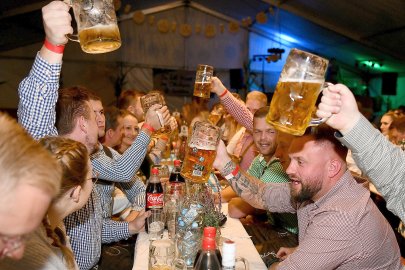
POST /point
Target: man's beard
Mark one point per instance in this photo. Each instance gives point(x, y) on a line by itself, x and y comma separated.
point(306, 193)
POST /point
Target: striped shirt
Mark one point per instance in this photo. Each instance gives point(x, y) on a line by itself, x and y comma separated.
point(381, 161)
point(86, 227)
point(342, 230)
point(272, 172)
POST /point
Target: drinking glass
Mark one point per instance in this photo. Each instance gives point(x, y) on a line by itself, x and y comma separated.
point(156, 224)
point(293, 103)
point(148, 101)
point(202, 85)
point(96, 25)
point(162, 256)
point(200, 152)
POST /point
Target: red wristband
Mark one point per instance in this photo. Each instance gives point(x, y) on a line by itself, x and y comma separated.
point(224, 93)
point(54, 48)
point(233, 173)
point(148, 127)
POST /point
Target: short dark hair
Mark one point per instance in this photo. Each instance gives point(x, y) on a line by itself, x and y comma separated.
point(70, 106)
point(93, 95)
point(127, 96)
point(111, 117)
point(323, 133)
point(262, 112)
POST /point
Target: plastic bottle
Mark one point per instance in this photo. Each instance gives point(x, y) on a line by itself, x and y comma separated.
point(208, 259)
point(154, 193)
point(209, 232)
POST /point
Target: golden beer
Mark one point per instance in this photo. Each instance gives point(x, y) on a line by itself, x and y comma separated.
point(197, 164)
point(100, 38)
point(292, 105)
point(214, 118)
point(202, 89)
point(161, 267)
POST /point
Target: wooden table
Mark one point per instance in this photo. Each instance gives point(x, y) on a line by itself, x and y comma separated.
point(233, 230)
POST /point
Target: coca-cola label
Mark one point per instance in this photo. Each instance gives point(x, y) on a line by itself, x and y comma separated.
point(154, 200)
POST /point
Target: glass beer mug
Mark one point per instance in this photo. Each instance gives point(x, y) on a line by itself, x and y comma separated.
point(96, 25)
point(162, 255)
point(200, 152)
point(150, 99)
point(301, 81)
point(202, 85)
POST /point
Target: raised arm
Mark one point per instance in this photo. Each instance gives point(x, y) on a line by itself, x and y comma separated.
point(379, 159)
point(38, 92)
point(237, 109)
point(269, 196)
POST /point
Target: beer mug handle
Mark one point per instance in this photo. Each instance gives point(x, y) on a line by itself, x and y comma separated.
point(179, 264)
point(318, 121)
point(72, 37)
point(244, 261)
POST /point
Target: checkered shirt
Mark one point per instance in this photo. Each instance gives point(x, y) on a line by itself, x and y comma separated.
point(381, 161)
point(239, 111)
point(36, 112)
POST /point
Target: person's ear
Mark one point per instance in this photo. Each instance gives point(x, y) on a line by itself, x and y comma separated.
point(109, 133)
point(75, 194)
point(334, 167)
point(82, 123)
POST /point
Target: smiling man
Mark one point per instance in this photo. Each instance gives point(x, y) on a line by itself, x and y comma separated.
point(339, 225)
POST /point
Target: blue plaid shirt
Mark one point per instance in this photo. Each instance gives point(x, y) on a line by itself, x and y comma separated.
point(86, 227)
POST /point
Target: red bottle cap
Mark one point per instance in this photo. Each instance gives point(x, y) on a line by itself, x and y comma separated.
point(177, 163)
point(208, 243)
point(155, 171)
point(210, 232)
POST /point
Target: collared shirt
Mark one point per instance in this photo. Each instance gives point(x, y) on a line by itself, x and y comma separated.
point(381, 161)
point(342, 230)
point(86, 227)
point(272, 172)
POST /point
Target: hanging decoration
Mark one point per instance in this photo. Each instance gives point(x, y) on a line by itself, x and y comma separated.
point(210, 30)
point(127, 8)
point(163, 26)
point(261, 17)
point(198, 28)
point(138, 17)
point(186, 30)
point(233, 27)
point(151, 20)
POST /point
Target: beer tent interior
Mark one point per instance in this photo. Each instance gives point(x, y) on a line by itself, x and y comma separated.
point(164, 41)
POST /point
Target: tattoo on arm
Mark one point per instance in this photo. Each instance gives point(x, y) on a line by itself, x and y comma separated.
point(246, 186)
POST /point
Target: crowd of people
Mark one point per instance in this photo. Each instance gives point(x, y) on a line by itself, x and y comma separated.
point(71, 167)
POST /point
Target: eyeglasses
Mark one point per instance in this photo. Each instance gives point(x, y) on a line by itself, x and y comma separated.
point(12, 243)
point(94, 178)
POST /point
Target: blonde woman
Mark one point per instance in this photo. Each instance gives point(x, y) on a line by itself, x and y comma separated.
point(48, 247)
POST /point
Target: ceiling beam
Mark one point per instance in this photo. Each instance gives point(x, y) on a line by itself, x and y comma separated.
point(23, 9)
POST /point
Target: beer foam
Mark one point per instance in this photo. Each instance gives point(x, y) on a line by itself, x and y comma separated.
point(301, 80)
point(111, 26)
point(202, 145)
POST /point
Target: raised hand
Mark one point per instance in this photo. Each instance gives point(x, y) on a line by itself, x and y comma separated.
point(339, 106)
point(216, 86)
point(57, 22)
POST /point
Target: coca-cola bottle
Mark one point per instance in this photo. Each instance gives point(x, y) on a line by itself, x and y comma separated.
point(154, 194)
point(208, 259)
point(209, 232)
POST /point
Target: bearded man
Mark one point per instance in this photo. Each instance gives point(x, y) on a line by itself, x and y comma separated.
point(339, 225)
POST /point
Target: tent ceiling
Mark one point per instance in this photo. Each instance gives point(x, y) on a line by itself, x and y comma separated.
point(334, 28)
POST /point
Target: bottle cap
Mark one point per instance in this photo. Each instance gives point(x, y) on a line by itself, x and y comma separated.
point(210, 232)
point(155, 171)
point(208, 243)
point(228, 253)
point(177, 163)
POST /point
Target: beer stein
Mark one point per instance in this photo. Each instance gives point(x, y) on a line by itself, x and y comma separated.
point(216, 114)
point(300, 83)
point(150, 99)
point(162, 256)
point(96, 25)
point(202, 85)
point(200, 152)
